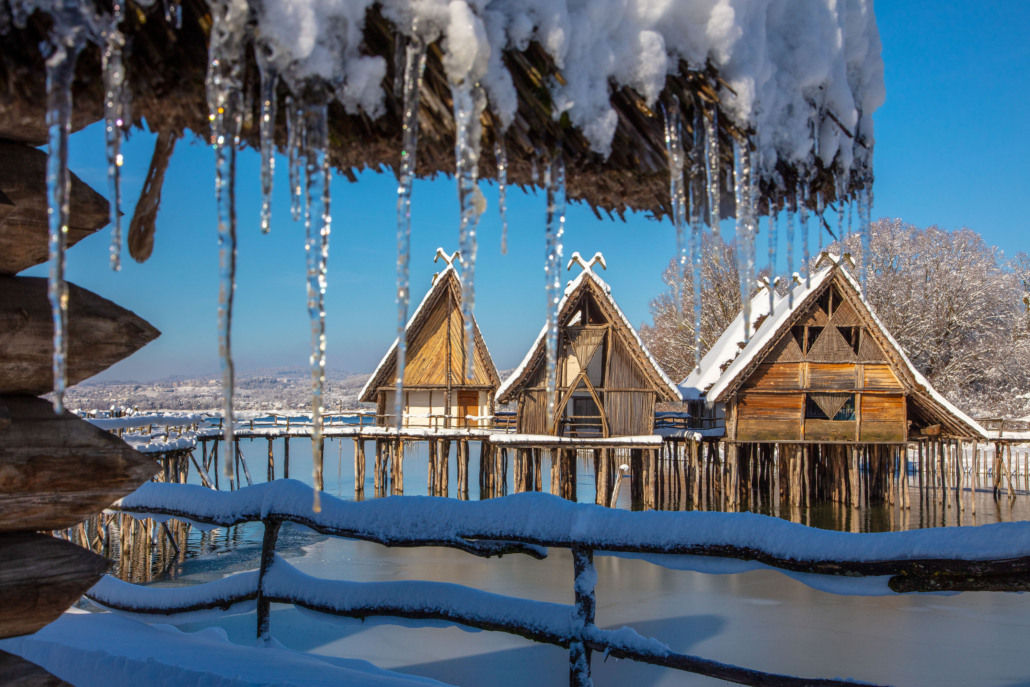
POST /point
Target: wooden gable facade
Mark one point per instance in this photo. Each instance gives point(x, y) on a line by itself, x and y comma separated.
point(606, 384)
point(832, 374)
point(437, 393)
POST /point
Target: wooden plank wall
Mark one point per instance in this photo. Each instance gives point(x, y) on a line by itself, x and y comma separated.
point(767, 410)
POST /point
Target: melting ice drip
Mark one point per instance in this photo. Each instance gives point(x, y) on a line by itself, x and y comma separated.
point(74, 22)
point(501, 153)
point(414, 67)
point(114, 120)
point(747, 217)
point(554, 182)
point(294, 143)
point(714, 187)
point(266, 55)
point(224, 84)
point(678, 198)
point(317, 224)
point(469, 102)
point(698, 191)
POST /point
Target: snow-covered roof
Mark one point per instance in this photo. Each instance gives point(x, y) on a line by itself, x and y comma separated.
point(709, 381)
point(573, 286)
point(430, 297)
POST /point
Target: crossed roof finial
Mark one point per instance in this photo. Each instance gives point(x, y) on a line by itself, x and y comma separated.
point(578, 259)
point(448, 259)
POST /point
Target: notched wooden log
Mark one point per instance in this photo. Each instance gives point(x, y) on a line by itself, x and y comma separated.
point(23, 208)
point(100, 334)
point(57, 470)
point(40, 578)
point(18, 672)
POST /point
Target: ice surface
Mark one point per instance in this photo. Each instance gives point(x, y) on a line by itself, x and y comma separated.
point(108, 650)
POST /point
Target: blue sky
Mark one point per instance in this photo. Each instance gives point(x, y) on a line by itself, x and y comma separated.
point(952, 149)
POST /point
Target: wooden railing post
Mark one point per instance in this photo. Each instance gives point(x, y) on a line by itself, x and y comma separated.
point(267, 556)
point(585, 580)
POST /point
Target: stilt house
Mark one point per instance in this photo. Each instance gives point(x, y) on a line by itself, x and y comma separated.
point(606, 382)
point(824, 371)
point(436, 391)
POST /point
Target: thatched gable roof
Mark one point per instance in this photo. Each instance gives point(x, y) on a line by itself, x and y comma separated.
point(589, 281)
point(166, 70)
point(445, 285)
point(729, 364)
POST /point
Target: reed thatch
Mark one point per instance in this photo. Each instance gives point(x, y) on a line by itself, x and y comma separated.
point(166, 69)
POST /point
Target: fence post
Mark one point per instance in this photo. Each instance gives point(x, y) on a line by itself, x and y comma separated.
point(267, 556)
point(586, 579)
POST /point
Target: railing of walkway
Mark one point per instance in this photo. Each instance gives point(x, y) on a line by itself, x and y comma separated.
point(917, 561)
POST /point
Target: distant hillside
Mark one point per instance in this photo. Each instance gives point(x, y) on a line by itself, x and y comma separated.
point(267, 388)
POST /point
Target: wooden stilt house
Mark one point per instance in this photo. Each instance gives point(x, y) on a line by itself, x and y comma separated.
point(436, 391)
point(606, 382)
point(817, 376)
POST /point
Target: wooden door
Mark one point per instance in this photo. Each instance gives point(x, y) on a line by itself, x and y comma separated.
point(468, 404)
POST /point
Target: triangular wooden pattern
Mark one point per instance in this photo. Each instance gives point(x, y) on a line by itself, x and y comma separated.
point(831, 347)
point(869, 351)
point(815, 317)
point(786, 351)
point(585, 342)
point(845, 316)
point(830, 403)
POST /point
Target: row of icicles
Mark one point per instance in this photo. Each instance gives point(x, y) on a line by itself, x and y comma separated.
point(309, 187)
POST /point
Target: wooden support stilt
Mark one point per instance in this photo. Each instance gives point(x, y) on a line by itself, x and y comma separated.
point(271, 462)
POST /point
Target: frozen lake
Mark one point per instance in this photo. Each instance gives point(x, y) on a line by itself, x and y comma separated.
point(760, 619)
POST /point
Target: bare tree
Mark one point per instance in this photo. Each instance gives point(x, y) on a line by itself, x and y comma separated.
point(670, 340)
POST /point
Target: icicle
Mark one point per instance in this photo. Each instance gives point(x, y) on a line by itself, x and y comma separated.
point(677, 197)
point(269, 69)
point(414, 66)
point(535, 171)
point(469, 102)
point(317, 225)
point(114, 78)
point(501, 153)
point(743, 184)
point(294, 141)
point(790, 254)
point(554, 182)
point(838, 183)
point(714, 186)
point(173, 13)
point(697, 199)
point(803, 220)
point(865, 202)
point(773, 216)
point(65, 42)
point(225, 66)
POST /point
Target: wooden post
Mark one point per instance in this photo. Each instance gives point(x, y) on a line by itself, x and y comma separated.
point(585, 577)
point(271, 461)
point(286, 455)
point(267, 556)
point(359, 468)
point(399, 468)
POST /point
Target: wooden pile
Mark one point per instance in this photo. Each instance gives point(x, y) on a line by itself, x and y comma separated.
point(56, 471)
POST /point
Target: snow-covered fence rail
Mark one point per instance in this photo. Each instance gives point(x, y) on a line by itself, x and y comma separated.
point(991, 557)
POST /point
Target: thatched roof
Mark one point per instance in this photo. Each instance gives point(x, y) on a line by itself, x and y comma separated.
point(166, 74)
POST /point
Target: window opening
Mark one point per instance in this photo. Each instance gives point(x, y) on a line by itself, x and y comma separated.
point(835, 407)
point(813, 335)
point(852, 336)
